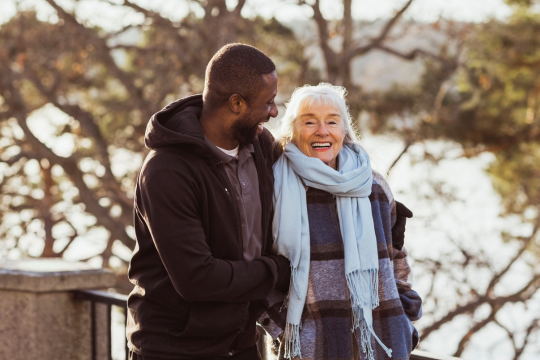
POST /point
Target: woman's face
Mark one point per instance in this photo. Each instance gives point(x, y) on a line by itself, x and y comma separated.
point(318, 132)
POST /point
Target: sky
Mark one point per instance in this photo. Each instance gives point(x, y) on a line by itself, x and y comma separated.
point(112, 18)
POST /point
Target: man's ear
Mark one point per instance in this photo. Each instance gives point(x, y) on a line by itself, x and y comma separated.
point(237, 104)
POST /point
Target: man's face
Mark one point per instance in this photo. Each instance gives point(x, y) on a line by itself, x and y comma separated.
point(250, 124)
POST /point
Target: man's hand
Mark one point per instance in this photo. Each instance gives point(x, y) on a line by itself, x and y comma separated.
point(398, 231)
point(284, 271)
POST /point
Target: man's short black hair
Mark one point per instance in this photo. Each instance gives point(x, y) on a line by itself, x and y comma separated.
point(235, 69)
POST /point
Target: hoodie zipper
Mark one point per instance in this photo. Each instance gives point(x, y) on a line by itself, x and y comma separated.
point(241, 330)
point(261, 170)
point(225, 179)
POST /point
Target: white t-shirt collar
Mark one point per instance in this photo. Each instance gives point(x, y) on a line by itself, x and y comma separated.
point(233, 152)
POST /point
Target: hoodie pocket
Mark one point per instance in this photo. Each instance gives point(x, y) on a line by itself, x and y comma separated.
point(212, 320)
point(177, 331)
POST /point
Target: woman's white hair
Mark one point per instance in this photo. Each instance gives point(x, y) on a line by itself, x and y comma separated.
point(325, 94)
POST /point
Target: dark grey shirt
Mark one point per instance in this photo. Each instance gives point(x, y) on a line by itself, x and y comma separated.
point(242, 174)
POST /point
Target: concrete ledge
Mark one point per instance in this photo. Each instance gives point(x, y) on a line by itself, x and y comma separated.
point(51, 275)
point(39, 319)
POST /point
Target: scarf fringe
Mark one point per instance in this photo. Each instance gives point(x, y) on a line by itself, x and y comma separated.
point(362, 284)
point(364, 335)
point(292, 341)
point(364, 340)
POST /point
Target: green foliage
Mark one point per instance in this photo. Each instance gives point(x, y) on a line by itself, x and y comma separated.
point(487, 99)
point(525, 3)
point(516, 176)
point(502, 82)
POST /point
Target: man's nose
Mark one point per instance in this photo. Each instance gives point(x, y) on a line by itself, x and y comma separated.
point(274, 111)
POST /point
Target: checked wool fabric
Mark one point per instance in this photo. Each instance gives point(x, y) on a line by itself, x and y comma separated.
point(326, 318)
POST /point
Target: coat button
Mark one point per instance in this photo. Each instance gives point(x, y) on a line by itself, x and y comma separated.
point(266, 321)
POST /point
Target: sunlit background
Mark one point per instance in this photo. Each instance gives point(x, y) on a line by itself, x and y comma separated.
point(446, 96)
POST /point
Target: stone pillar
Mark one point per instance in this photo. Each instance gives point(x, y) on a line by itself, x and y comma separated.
point(39, 319)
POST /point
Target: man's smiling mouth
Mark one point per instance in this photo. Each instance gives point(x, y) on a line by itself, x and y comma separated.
point(321, 146)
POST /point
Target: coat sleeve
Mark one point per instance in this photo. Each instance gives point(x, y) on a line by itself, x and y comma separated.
point(168, 202)
point(410, 300)
point(273, 316)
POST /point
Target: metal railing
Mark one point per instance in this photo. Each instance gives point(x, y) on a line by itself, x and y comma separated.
point(423, 355)
point(110, 300)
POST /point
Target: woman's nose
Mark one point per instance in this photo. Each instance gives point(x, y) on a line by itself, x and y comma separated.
point(322, 131)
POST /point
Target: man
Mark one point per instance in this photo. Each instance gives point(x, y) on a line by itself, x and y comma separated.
point(203, 212)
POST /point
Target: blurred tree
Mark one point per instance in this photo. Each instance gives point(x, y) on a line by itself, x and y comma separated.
point(78, 84)
point(475, 282)
point(344, 40)
point(484, 97)
point(73, 83)
point(488, 102)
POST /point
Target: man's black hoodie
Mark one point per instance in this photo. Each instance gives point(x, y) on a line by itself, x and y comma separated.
point(194, 296)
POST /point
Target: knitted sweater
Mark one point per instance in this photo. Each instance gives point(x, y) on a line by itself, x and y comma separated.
point(326, 319)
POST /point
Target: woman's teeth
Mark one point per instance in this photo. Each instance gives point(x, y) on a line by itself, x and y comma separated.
point(324, 145)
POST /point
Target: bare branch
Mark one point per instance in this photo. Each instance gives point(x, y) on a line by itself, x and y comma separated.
point(102, 49)
point(376, 42)
point(145, 12)
point(238, 9)
point(535, 325)
point(531, 329)
point(524, 293)
point(19, 156)
point(330, 57)
point(71, 239)
point(508, 332)
point(412, 54)
point(475, 328)
point(495, 280)
point(390, 24)
point(91, 129)
point(408, 144)
point(134, 47)
point(87, 196)
point(4, 115)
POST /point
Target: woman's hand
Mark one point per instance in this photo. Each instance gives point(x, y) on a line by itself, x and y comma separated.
point(398, 231)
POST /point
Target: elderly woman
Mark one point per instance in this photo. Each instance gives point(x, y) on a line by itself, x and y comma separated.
point(350, 296)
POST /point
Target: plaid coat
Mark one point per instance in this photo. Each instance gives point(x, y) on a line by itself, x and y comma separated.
point(326, 319)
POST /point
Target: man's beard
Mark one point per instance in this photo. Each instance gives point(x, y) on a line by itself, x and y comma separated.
point(244, 130)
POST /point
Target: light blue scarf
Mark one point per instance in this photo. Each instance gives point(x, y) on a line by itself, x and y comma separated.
point(351, 185)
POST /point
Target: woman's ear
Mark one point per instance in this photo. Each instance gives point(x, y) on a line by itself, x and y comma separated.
point(237, 104)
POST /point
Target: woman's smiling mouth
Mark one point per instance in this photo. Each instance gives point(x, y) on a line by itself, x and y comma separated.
point(321, 146)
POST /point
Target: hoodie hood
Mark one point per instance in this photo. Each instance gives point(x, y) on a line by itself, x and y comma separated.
point(176, 124)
